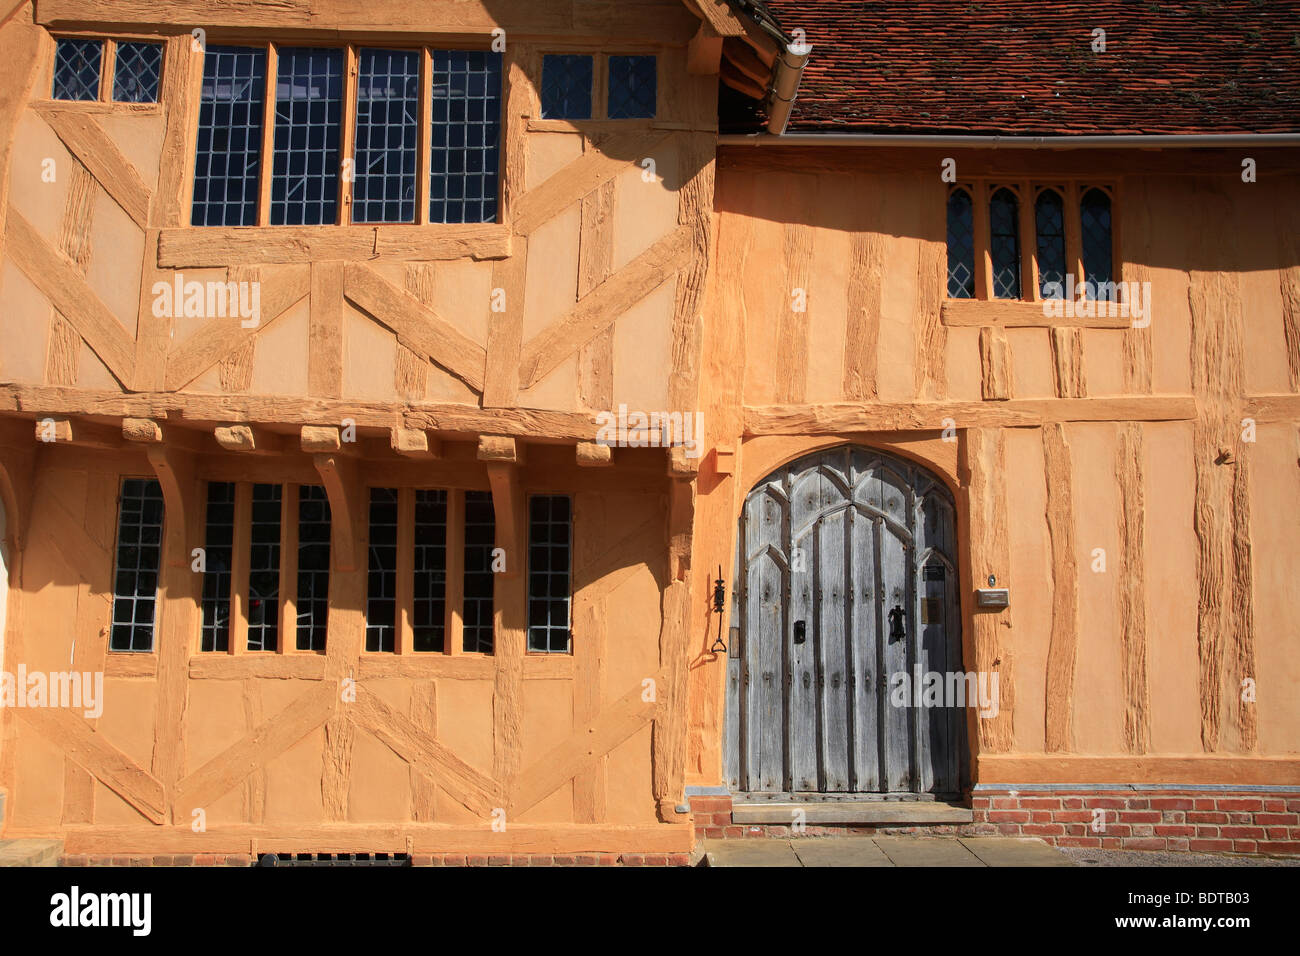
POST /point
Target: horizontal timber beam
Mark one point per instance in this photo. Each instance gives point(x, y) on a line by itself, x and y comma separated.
point(219, 247)
point(834, 418)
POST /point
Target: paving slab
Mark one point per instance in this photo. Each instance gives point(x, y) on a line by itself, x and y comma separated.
point(927, 851)
point(1011, 851)
point(839, 851)
point(30, 852)
point(750, 852)
point(898, 813)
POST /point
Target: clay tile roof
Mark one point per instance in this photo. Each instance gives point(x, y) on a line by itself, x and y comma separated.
point(1026, 67)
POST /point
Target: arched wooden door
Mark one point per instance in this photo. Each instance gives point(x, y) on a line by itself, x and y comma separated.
point(846, 580)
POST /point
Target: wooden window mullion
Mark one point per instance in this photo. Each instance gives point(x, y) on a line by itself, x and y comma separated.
point(288, 569)
point(424, 156)
point(403, 618)
point(107, 62)
point(1073, 233)
point(241, 551)
point(348, 137)
point(454, 611)
point(1028, 244)
point(268, 137)
point(980, 196)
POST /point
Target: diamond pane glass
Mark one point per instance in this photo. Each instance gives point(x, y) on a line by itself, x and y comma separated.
point(1094, 214)
point(464, 165)
point(430, 568)
point(1049, 224)
point(228, 155)
point(961, 246)
point(308, 128)
point(388, 113)
point(566, 86)
point(139, 547)
point(1004, 244)
point(632, 87)
point(137, 71)
point(76, 69)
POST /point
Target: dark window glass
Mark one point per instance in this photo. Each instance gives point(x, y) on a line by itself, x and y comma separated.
point(227, 159)
point(549, 549)
point(388, 115)
point(76, 69)
point(566, 86)
point(218, 553)
point(961, 246)
point(480, 539)
point(381, 594)
point(135, 579)
point(464, 165)
point(1004, 244)
point(1098, 249)
point(313, 567)
point(264, 570)
point(308, 124)
point(1049, 223)
point(430, 570)
point(137, 71)
point(633, 84)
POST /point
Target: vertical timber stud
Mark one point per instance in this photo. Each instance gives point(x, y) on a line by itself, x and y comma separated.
point(511, 600)
point(991, 555)
point(669, 736)
point(1132, 588)
point(180, 610)
point(505, 335)
point(1062, 649)
point(325, 358)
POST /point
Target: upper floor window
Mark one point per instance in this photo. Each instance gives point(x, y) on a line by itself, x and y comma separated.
point(337, 152)
point(1029, 241)
point(89, 69)
point(583, 86)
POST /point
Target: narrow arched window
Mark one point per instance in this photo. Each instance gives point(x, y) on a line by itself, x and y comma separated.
point(1004, 244)
point(1098, 241)
point(961, 245)
point(1049, 223)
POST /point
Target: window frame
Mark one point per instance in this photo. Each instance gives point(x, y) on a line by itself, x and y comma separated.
point(158, 603)
point(239, 596)
point(104, 102)
point(1071, 189)
point(528, 572)
point(453, 592)
point(347, 140)
point(600, 119)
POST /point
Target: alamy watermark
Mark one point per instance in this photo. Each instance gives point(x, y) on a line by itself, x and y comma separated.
point(1091, 300)
point(54, 689)
point(636, 429)
point(208, 300)
point(953, 689)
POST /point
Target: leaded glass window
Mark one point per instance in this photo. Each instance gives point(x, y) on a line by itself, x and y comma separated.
point(313, 567)
point(549, 559)
point(1049, 224)
point(137, 72)
point(228, 158)
point(388, 136)
point(465, 165)
point(218, 553)
point(135, 578)
point(567, 81)
point(430, 568)
point(1004, 243)
point(381, 600)
point(961, 245)
point(480, 539)
point(308, 113)
point(1095, 222)
point(264, 570)
point(77, 64)
point(632, 87)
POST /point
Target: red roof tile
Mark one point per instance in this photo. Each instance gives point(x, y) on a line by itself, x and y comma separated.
point(1028, 68)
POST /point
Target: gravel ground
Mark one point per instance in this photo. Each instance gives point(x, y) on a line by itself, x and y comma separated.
point(1083, 856)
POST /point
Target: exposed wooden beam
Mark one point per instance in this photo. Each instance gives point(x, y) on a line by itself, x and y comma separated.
point(413, 443)
point(52, 431)
point(737, 80)
point(592, 454)
point(250, 440)
point(500, 448)
point(320, 438)
point(744, 59)
point(343, 487)
point(219, 247)
point(1022, 315)
point(96, 150)
point(417, 326)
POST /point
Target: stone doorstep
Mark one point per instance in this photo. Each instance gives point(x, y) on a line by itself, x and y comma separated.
point(30, 852)
point(868, 813)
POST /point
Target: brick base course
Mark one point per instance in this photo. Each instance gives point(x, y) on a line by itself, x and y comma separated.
point(1223, 821)
point(419, 859)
